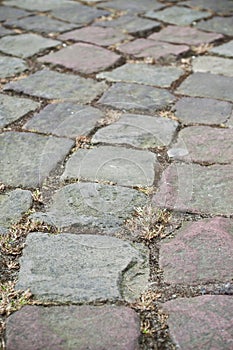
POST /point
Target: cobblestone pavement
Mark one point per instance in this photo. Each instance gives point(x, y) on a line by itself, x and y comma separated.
point(116, 174)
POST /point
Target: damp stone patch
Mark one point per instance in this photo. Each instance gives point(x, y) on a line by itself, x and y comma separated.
point(82, 268)
point(92, 207)
point(27, 159)
point(53, 85)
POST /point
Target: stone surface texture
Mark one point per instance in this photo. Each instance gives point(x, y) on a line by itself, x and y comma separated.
point(53, 85)
point(223, 25)
point(28, 163)
point(196, 189)
point(82, 268)
point(26, 45)
point(206, 319)
point(70, 327)
point(143, 74)
point(108, 163)
point(224, 49)
point(12, 108)
point(191, 110)
point(92, 207)
point(194, 255)
point(139, 131)
point(133, 97)
point(208, 85)
point(75, 57)
point(214, 65)
point(9, 66)
point(204, 144)
point(13, 205)
point(223, 7)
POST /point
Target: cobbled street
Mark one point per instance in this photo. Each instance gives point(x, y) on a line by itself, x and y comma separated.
point(116, 174)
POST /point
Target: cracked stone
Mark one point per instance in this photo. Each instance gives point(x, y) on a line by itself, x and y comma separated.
point(47, 26)
point(96, 35)
point(191, 110)
point(207, 321)
point(196, 189)
point(9, 66)
point(185, 35)
point(214, 65)
point(131, 25)
point(13, 205)
point(223, 25)
point(133, 97)
point(195, 254)
point(224, 49)
point(127, 167)
point(27, 159)
point(139, 131)
point(151, 48)
point(143, 74)
point(178, 15)
point(76, 13)
point(26, 45)
point(65, 119)
point(53, 85)
point(75, 57)
point(204, 144)
point(83, 268)
point(208, 85)
point(73, 327)
point(13, 108)
point(92, 207)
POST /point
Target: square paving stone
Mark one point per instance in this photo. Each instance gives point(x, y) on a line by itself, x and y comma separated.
point(65, 119)
point(131, 24)
point(133, 6)
point(136, 97)
point(224, 49)
point(38, 5)
point(214, 65)
point(127, 167)
point(185, 35)
point(96, 35)
point(9, 13)
point(26, 45)
point(223, 25)
point(84, 58)
point(13, 205)
point(204, 144)
point(73, 327)
point(197, 110)
point(53, 85)
point(196, 189)
point(224, 7)
point(150, 48)
point(9, 66)
point(181, 16)
point(92, 207)
point(195, 254)
point(41, 24)
point(76, 13)
point(139, 131)
point(143, 74)
point(27, 159)
point(208, 85)
point(83, 268)
point(205, 322)
point(12, 108)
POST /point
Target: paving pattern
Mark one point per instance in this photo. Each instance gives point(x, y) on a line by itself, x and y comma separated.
point(115, 115)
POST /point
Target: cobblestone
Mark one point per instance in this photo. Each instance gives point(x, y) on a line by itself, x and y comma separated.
point(223, 25)
point(110, 327)
point(214, 65)
point(224, 49)
point(9, 66)
point(82, 268)
point(223, 7)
